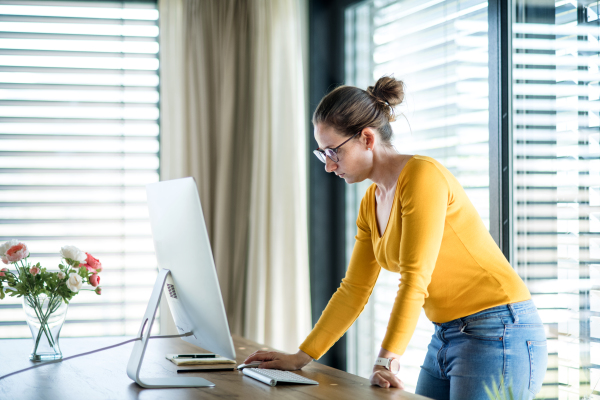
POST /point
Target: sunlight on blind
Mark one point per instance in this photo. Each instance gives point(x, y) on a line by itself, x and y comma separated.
point(556, 160)
point(79, 140)
point(439, 49)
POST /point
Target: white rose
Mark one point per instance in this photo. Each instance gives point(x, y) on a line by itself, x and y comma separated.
point(4, 247)
point(75, 282)
point(61, 275)
point(73, 253)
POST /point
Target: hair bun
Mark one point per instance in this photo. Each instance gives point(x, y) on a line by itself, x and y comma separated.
point(388, 92)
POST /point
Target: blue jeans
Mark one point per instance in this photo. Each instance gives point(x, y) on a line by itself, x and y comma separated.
point(503, 348)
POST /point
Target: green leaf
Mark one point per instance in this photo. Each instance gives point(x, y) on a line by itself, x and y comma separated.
point(2, 292)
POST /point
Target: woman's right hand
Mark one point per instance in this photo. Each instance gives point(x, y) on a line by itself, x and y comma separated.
point(282, 361)
point(385, 379)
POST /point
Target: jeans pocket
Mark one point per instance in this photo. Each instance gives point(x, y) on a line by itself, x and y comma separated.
point(484, 329)
point(538, 359)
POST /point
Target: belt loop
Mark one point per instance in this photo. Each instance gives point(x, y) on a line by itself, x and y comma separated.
point(514, 313)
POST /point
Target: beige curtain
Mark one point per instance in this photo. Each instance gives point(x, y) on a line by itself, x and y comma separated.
point(232, 103)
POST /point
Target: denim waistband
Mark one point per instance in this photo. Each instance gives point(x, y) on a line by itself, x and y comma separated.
point(512, 309)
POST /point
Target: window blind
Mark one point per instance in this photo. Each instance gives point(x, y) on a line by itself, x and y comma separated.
point(79, 139)
point(439, 49)
point(556, 160)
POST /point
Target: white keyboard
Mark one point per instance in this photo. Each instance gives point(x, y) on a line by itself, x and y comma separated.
point(274, 376)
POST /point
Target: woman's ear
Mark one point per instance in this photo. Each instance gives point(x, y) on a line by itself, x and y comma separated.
point(368, 138)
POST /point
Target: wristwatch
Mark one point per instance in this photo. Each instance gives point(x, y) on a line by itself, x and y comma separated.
point(391, 364)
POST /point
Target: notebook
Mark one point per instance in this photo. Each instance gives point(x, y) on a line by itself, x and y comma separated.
point(199, 361)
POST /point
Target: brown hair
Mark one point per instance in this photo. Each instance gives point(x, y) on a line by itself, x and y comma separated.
point(349, 109)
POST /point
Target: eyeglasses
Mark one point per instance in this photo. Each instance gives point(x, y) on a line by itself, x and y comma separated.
point(331, 153)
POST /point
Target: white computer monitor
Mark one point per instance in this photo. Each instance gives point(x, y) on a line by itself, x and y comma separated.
point(188, 275)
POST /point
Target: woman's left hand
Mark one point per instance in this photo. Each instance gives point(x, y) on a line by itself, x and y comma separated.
point(384, 378)
point(276, 360)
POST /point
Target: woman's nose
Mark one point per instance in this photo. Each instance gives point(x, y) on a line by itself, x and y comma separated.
point(330, 166)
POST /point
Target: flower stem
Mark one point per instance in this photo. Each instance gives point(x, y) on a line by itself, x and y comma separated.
point(33, 303)
point(43, 318)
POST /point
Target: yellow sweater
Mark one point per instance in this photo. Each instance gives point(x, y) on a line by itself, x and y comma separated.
point(448, 262)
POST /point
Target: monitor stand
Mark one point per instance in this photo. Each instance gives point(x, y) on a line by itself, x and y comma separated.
point(137, 354)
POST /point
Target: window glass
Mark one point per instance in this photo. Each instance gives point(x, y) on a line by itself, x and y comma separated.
point(79, 140)
point(439, 49)
point(556, 183)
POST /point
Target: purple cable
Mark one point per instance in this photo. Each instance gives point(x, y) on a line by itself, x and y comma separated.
point(93, 351)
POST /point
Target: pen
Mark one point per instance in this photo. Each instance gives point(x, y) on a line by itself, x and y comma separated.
point(205, 355)
point(206, 369)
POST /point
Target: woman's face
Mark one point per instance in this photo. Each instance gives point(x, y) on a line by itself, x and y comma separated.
point(355, 160)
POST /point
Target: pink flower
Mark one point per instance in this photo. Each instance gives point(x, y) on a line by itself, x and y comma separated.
point(17, 253)
point(98, 290)
point(4, 247)
point(2, 273)
point(93, 262)
point(95, 280)
point(34, 271)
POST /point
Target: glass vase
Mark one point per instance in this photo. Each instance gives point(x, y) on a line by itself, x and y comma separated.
point(45, 317)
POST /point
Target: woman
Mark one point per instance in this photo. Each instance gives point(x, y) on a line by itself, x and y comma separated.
point(416, 219)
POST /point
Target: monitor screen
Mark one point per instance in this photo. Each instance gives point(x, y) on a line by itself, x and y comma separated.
point(183, 247)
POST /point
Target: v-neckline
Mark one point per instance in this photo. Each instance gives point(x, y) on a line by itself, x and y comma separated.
point(379, 234)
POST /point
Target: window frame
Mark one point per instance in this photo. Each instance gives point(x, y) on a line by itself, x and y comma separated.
point(500, 68)
point(326, 193)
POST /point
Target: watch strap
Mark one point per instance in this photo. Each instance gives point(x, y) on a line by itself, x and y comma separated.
point(384, 362)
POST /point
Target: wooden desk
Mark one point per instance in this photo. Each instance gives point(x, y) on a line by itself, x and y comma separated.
point(102, 375)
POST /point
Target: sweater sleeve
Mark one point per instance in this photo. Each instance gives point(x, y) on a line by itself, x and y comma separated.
point(349, 300)
point(424, 198)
